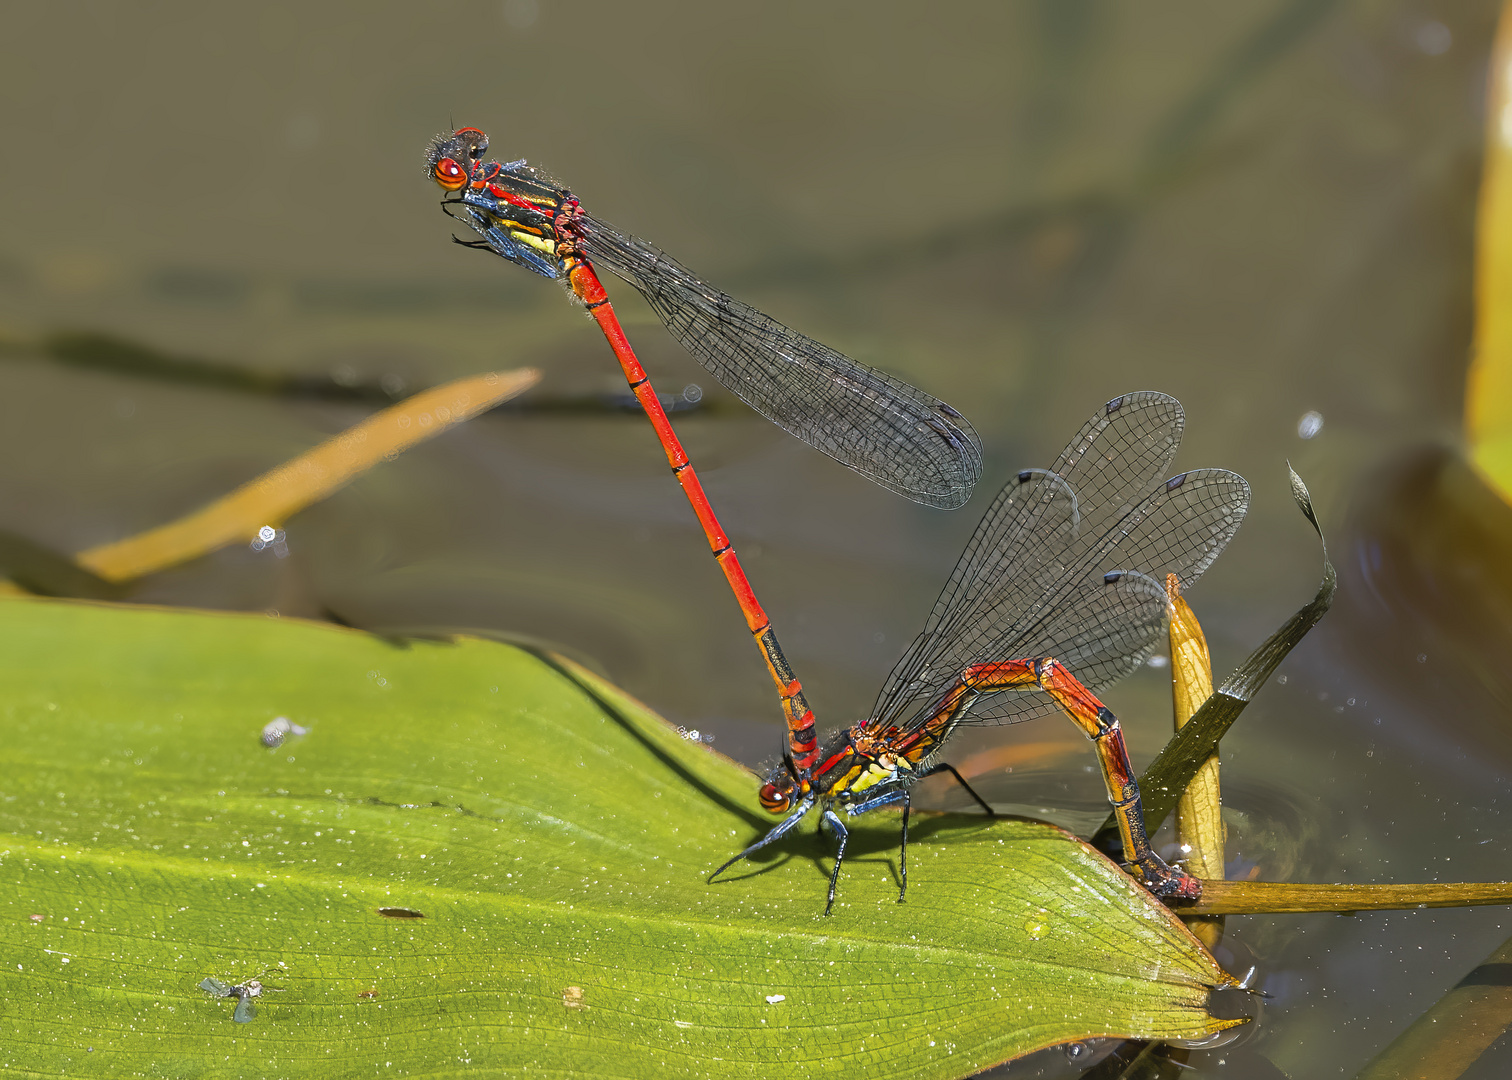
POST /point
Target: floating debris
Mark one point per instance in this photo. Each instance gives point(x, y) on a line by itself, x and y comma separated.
point(279, 728)
point(269, 537)
point(242, 992)
point(400, 913)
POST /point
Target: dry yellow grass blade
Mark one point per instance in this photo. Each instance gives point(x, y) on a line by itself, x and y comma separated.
point(1199, 811)
point(1199, 820)
point(273, 497)
point(1488, 388)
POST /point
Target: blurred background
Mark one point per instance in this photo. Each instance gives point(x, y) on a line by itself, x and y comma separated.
point(1263, 208)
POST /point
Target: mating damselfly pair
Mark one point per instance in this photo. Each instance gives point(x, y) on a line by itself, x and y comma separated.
point(1059, 593)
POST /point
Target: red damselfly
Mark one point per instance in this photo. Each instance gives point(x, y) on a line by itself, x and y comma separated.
point(1060, 593)
point(883, 428)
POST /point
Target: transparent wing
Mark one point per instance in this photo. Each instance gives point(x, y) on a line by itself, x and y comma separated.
point(885, 429)
point(1026, 542)
point(1110, 616)
point(1071, 561)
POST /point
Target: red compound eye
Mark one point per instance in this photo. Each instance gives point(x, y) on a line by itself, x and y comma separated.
point(772, 799)
point(449, 174)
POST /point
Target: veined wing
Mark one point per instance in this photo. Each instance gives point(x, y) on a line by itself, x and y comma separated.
point(1110, 616)
point(1070, 562)
point(893, 433)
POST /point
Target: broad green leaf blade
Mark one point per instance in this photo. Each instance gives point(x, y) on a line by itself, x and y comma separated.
point(271, 498)
point(540, 845)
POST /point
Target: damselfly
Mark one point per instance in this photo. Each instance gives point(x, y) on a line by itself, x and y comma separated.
point(885, 429)
point(1060, 593)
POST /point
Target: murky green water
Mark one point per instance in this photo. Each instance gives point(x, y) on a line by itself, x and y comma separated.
point(1263, 208)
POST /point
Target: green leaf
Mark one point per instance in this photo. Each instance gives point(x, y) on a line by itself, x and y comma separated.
point(554, 838)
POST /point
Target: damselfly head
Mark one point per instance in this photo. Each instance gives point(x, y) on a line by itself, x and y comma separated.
point(775, 799)
point(451, 159)
point(776, 794)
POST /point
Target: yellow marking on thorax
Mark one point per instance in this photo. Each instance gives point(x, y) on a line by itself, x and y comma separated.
point(516, 227)
point(883, 769)
point(546, 247)
point(844, 783)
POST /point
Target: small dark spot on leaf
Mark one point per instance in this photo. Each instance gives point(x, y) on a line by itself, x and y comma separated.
point(400, 913)
point(367, 995)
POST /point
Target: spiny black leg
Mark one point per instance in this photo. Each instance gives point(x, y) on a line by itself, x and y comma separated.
point(903, 850)
point(842, 835)
point(943, 767)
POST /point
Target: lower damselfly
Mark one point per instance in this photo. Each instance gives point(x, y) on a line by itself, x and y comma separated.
point(1060, 593)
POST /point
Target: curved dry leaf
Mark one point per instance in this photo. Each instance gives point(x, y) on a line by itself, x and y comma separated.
point(1488, 387)
point(273, 497)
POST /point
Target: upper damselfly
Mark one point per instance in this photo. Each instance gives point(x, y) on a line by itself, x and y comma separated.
point(885, 429)
point(1060, 593)
point(880, 426)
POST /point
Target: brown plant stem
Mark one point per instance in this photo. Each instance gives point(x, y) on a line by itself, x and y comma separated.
point(1280, 897)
